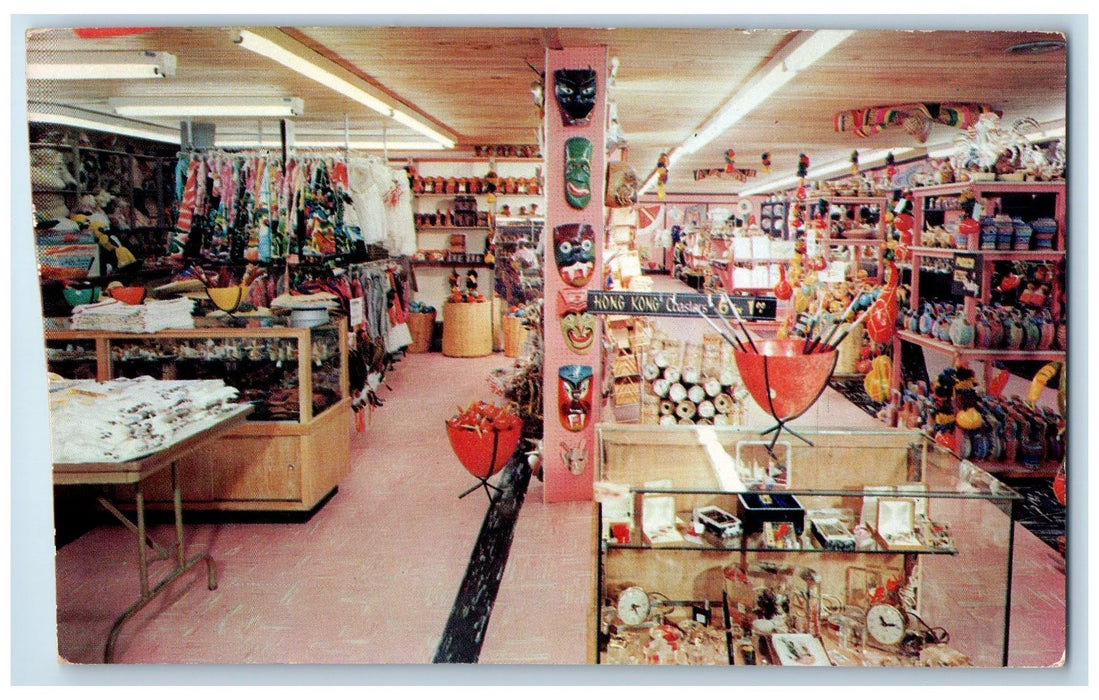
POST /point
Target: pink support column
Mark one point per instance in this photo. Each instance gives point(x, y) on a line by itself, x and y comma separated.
point(572, 376)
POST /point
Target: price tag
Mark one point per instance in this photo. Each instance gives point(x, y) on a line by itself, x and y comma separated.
point(356, 312)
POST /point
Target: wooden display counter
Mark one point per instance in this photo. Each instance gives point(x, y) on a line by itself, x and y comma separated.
point(296, 446)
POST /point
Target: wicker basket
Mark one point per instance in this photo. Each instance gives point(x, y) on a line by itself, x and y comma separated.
point(422, 328)
point(514, 335)
point(467, 329)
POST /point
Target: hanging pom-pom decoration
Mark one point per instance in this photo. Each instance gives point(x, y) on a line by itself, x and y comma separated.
point(730, 159)
point(890, 165)
point(854, 162)
point(803, 167)
point(765, 160)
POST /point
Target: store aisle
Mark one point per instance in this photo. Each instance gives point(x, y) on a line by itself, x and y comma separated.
point(371, 578)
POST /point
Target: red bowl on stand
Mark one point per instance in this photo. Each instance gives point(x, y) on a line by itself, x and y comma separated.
point(784, 380)
point(485, 453)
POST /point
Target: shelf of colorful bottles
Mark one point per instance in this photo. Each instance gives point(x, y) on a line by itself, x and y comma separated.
point(979, 353)
point(990, 255)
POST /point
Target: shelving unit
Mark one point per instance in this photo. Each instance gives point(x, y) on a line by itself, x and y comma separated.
point(519, 186)
point(143, 227)
point(984, 191)
point(689, 574)
point(1030, 201)
point(295, 447)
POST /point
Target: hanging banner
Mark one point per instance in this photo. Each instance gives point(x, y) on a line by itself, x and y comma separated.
point(751, 308)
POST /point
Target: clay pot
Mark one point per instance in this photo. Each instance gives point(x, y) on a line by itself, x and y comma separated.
point(961, 331)
point(1031, 333)
point(1013, 333)
point(927, 320)
point(996, 330)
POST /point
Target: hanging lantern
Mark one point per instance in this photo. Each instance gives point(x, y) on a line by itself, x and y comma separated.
point(765, 160)
point(730, 158)
point(854, 162)
point(890, 165)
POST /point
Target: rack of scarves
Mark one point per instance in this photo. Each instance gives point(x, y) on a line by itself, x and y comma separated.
point(254, 207)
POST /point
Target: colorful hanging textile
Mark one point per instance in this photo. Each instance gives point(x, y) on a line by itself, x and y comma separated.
point(916, 118)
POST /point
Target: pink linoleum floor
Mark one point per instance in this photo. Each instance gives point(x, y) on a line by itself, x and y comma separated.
point(371, 578)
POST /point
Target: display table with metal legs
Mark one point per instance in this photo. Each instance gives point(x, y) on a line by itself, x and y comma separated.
point(134, 472)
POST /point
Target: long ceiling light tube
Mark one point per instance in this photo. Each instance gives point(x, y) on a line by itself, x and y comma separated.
point(239, 107)
point(333, 144)
point(276, 47)
point(774, 76)
point(75, 117)
point(99, 65)
point(806, 50)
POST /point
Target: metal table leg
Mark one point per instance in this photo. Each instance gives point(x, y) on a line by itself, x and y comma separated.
point(182, 563)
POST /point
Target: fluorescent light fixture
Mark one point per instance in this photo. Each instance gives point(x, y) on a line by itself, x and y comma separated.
point(237, 107)
point(76, 117)
point(276, 46)
point(330, 144)
point(803, 52)
point(99, 65)
point(941, 150)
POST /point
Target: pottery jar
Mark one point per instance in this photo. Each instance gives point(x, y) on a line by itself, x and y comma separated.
point(942, 328)
point(927, 320)
point(982, 332)
point(961, 331)
point(995, 328)
point(1031, 332)
point(1013, 332)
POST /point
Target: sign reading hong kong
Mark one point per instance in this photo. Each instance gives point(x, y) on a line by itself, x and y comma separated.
point(677, 304)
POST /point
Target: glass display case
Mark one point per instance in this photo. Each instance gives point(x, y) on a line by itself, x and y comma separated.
point(295, 446)
point(860, 549)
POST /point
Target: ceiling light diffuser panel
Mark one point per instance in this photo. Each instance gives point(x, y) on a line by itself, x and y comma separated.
point(278, 47)
point(100, 65)
point(221, 107)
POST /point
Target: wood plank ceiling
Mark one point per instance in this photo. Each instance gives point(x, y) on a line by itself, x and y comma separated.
point(476, 82)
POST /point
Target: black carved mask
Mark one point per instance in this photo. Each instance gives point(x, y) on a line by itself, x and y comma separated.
point(575, 92)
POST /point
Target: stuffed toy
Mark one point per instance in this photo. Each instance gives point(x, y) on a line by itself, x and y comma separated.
point(120, 213)
point(50, 205)
point(48, 170)
point(90, 208)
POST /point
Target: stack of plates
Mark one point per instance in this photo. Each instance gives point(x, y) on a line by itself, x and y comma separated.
point(309, 317)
